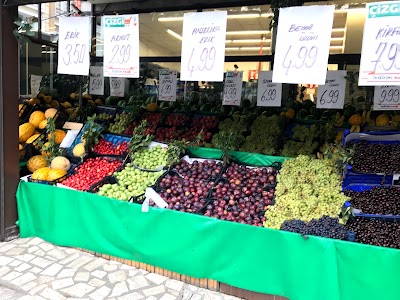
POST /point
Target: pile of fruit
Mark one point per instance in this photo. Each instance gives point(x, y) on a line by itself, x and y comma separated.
point(43, 171)
point(151, 158)
point(131, 182)
point(121, 123)
point(104, 117)
point(176, 120)
point(104, 147)
point(90, 172)
point(307, 189)
point(243, 195)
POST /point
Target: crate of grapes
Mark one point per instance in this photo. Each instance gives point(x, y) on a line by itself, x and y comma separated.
point(105, 114)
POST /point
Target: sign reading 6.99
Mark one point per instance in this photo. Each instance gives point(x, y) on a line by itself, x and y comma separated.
point(268, 93)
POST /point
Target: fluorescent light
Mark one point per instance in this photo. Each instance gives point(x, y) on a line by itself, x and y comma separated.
point(248, 41)
point(248, 32)
point(244, 16)
point(253, 48)
point(266, 15)
point(174, 34)
point(48, 52)
point(170, 19)
point(232, 49)
point(240, 16)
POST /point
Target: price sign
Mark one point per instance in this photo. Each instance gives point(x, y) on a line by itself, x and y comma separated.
point(96, 84)
point(387, 97)
point(380, 55)
point(331, 94)
point(167, 86)
point(302, 45)
point(121, 46)
point(117, 87)
point(268, 93)
point(203, 46)
point(233, 88)
point(74, 45)
point(35, 84)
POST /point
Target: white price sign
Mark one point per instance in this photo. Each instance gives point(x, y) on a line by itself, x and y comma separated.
point(74, 45)
point(96, 84)
point(233, 88)
point(302, 45)
point(167, 86)
point(35, 84)
point(331, 94)
point(121, 46)
point(268, 93)
point(203, 46)
point(387, 97)
point(380, 55)
point(117, 87)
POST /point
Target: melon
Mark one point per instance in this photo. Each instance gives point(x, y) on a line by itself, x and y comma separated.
point(382, 120)
point(56, 174)
point(36, 162)
point(60, 163)
point(79, 150)
point(26, 130)
point(50, 113)
point(59, 134)
point(43, 124)
point(55, 104)
point(47, 99)
point(41, 173)
point(45, 153)
point(20, 109)
point(20, 147)
point(36, 117)
point(32, 138)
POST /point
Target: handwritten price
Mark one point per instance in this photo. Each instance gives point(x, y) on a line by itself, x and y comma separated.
point(332, 97)
point(306, 57)
point(166, 89)
point(206, 60)
point(390, 95)
point(121, 54)
point(75, 54)
point(97, 84)
point(230, 93)
point(268, 95)
point(387, 57)
point(116, 84)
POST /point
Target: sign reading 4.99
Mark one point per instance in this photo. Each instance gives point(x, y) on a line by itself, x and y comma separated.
point(121, 46)
point(380, 55)
point(74, 46)
point(302, 46)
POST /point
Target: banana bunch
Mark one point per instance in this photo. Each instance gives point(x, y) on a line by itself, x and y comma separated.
point(366, 118)
point(355, 128)
point(339, 120)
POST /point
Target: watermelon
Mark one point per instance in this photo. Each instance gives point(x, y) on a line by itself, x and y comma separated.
point(302, 114)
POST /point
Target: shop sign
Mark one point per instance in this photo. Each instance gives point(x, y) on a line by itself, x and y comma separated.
point(96, 82)
point(302, 45)
point(74, 45)
point(252, 74)
point(203, 46)
point(387, 97)
point(268, 93)
point(121, 46)
point(167, 85)
point(331, 94)
point(380, 55)
point(117, 87)
point(233, 88)
point(35, 84)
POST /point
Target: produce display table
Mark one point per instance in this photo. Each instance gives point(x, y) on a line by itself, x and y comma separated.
point(248, 257)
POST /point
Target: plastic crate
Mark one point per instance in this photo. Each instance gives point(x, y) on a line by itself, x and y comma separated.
point(361, 183)
point(109, 111)
point(116, 140)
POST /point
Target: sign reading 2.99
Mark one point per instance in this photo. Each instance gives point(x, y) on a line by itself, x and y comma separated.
point(74, 46)
point(302, 46)
point(380, 55)
point(121, 46)
point(203, 46)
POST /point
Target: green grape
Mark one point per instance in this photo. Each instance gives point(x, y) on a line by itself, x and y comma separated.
point(151, 159)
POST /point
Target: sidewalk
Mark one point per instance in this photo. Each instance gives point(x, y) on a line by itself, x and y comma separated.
point(31, 269)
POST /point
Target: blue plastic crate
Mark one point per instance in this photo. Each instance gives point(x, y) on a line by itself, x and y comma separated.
point(77, 140)
point(116, 139)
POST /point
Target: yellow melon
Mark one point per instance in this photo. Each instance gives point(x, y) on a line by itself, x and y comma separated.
point(79, 150)
point(26, 130)
point(41, 174)
point(59, 134)
point(43, 124)
point(20, 147)
point(36, 117)
point(32, 138)
point(44, 152)
point(36, 162)
point(60, 163)
point(56, 175)
point(50, 113)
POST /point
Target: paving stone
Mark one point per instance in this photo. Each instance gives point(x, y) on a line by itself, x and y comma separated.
point(52, 270)
point(41, 262)
point(95, 264)
point(57, 254)
point(132, 273)
point(168, 297)
point(24, 279)
point(191, 288)
point(50, 294)
point(99, 274)
point(156, 278)
point(137, 282)
point(174, 293)
point(6, 247)
point(15, 251)
point(79, 290)
point(132, 296)
point(33, 249)
point(40, 253)
point(96, 282)
point(4, 271)
point(66, 273)
point(110, 268)
point(101, 293)
point(151, 298)
point(46, 247)
point(187, 295)
point(15, 263)
point(23, 267)
point(44, 279)
point(62, 283)
point(154, 291)
point(26, 257)
point(127, 267)
point(119, 289)
point(80, 261)
point(82, 276)
point(29, 297)
point(71, 250)
point(37, 289)
point(4, 260)
point(35, 241)
point(69, 258)
point(174, 284)
point(36, 270)
point(197, 297)
point(30, 285)
point(208, 295)
point(117, 276)
point(11, 276)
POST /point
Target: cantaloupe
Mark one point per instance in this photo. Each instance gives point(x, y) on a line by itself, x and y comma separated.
point(36, 117)
point(50, 113)
point(26, 130)
point(36, 162)
point(79, 150)
point(60, 163)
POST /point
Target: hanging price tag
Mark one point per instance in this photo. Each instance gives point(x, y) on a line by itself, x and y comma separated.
point(35, 84)
point(380, 55)
point(387, 97)
point(117, 87)
point(96, 84)
point(203, 46)
point(121, 46)
point(268, 93)
point(74, 45)
point(233, 88)
point(302, 45)
point(331, 94)
point(167, 85)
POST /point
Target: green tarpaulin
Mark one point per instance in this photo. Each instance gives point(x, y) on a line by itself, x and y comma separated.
point(257, 259)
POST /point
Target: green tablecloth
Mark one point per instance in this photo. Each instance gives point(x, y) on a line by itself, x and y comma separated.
point(256, 259)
